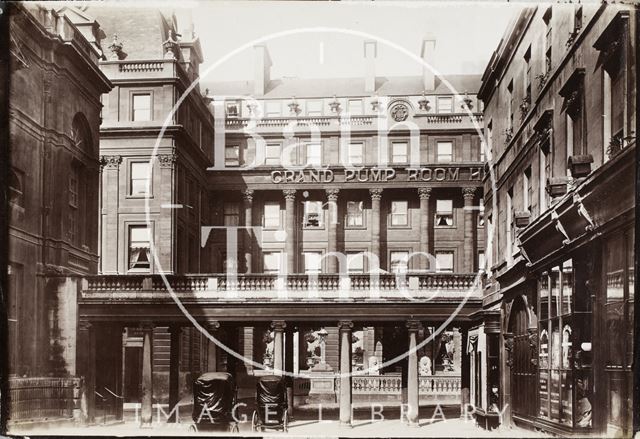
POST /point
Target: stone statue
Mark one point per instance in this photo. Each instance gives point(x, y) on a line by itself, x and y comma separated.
point(425, 365)
point(374, 365)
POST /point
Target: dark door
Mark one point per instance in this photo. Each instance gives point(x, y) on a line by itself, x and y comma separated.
point(523, 371)
point(132, 374)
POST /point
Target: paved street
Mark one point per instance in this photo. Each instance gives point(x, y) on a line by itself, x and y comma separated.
point(433, 423)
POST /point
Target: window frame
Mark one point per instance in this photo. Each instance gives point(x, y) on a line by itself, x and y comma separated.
point(363, 224)
point(225, 215)
point(438, 155)
point(130, 179)
point(303, 258)
point(16, 194)
point(307, 162)
point(445, 251)
point(406, 152)
point(305, 213)
point(405, 225)
point(390, 259)
point(138, 93)
point(227, 163)
point(360, 102)
point(267, 158)
point(264, 215)
point(350, 254)
point(278, 255)
point(129, 229)
point(438, 213)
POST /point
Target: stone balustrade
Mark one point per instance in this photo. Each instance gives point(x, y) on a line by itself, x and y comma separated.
point(391, 383)
point(422, 286)
point(323, 121)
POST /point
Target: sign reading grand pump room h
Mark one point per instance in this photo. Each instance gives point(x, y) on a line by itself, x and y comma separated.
point(377, 175)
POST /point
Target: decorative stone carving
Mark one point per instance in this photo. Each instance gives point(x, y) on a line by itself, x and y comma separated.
point(334, 105)
point(278, 325)
point(468, 193)
point(116, 49)
point(533, 345)
point(376, 194)
point(289, 194)
point(424, 193)
point(247, 194)
point(508, 347)
point(110, 161)
point(332, 194)
point(413, 325)
point(345, 325)
point(167, 160)
point(400, 112)
point(170, 46)
point(424, 103)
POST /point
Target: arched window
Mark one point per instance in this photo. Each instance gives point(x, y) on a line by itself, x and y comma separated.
point(81, 134)
point(16, 188)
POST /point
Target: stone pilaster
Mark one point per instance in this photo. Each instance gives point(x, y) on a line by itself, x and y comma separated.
point(345, 328)
point(332, 219)
point(248, 222)
point(290, 227)
point(469, 243)
point(110, 165)
point(376, 196)
point(165, 232)
point(425, 222)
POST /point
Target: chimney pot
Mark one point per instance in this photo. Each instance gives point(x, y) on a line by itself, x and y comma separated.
point(370, 54)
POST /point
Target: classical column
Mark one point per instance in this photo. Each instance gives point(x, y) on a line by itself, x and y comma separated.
point(288, 366)
point(332, 219)
point(109, 217)
point(278, 345)
point(413, 382)
point(147, 374)
point(290, 224)
point(174, 372)
point(425, 220)
point(248, 222)
point(469, 245)
point(465, 372)
point(86, 355)
point(345, 372)
point(212, 349)
point(376, 196)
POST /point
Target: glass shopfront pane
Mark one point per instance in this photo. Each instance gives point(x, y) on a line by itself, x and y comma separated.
point(566, 345)
point(566, 416)
point(554, 279)
point(544, 394)
point(614, 306)
point(556, 348)
point(555, 395)
point(567, 287)
point(630, 295)
point(583, 399)
point(544, 296)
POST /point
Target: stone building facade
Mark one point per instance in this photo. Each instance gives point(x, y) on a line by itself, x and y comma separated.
point(560, 119)
point(54, 174)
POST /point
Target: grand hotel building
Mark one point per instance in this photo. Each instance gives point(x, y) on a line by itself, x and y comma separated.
point(412, 186)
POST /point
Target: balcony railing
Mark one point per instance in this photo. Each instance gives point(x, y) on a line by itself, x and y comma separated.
point(221, 286)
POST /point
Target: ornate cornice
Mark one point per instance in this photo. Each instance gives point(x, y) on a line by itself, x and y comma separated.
point(167, 160)
point(110, 161)
point(424, 193)
point(332, 194)
point(376, 193)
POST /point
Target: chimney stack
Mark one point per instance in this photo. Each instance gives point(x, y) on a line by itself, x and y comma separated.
point(428, 56)
point(262, 69)
point(370, 54)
